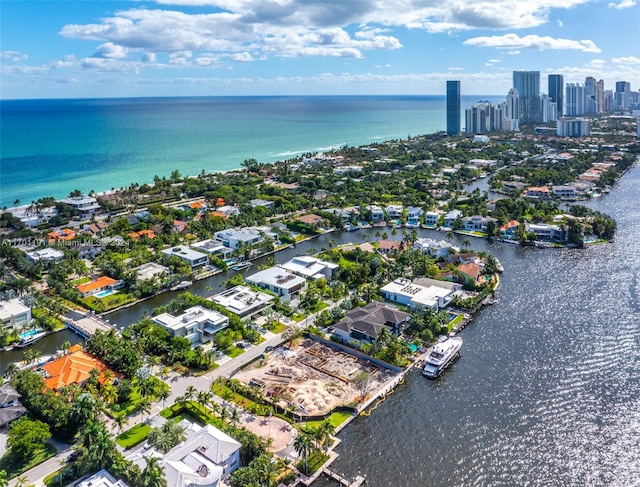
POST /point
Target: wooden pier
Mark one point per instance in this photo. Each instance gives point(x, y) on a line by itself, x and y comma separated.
point(339, 478)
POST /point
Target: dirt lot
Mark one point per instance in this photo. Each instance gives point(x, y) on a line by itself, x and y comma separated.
point(312, 376)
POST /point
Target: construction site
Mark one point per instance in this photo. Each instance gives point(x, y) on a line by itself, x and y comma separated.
point(313, 378)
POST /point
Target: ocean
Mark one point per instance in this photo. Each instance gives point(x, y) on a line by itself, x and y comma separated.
point(52, 147)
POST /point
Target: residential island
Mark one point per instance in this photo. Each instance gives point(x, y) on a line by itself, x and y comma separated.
point(249, 384)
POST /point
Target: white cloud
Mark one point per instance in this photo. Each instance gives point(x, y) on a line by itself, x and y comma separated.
point(623, 4)
point(293, 28)
point(455, 68)
point(149, 57)
point(625, 60)
point(513, 52)
point(513, 41)
point(596, 63)
point(560, 24)
point(242, 57)
point(111, 51)
point(495, 60)
point(14, 56)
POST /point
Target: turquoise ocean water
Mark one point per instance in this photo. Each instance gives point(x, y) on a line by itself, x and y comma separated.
point(51, 147)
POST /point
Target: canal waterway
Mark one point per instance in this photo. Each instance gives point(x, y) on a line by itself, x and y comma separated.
point(547, 391)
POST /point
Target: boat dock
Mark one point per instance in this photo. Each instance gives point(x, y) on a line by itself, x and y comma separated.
point(341, 480)
point(88, 324)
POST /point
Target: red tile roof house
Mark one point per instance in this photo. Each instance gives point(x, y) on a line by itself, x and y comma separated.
point(310, 219)
point(74, 368)
point(386, 246)
point(471, 270)
point(101, 284)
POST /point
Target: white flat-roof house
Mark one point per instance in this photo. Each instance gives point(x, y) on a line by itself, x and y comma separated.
point(403, 291)
point(548, 233)
point(233, 238)
point(198, 324)
point(311, 268)
point(414, 213)
point(32, 217)
point(279, 281)
point(102, 479)
point(377, 214)
point(269, 205)
point(193, 257)
point(87, 206)
point(150, 270)
point(242, 300)
point(565, 192)
point(47, 255)
point(228, 210)
point(476, 223)
point(212, 247)
point(14, 314)
point(451, 217)
point(433, 248)
point(394, 211)
point(431, 218)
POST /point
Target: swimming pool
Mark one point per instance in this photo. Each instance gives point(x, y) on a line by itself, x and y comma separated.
point(104, 294)
point(452, 317)
point(413, 347)
point(30, 333)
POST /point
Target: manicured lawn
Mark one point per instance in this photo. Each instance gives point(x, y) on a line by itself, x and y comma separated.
point(220, 389)
point(14, 468)
point(108, 302)
point(233, 351)
point(133, 436)
point(278, 327)
point(80, 280)
point(313, 463)
point(298, 317)
point(336, 419)
point(454, 322)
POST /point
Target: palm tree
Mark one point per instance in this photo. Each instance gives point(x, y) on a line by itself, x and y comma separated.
point(153, 475)
point(304, 445)
point(4, 481)
point(213, 405)
point(163, 394)
point(84, 407)
point(120, 420)
point(22, 481)
point(324, 432)
point(147, 387)
point(109, 393)
point(16, 202)
point(235, 417)
point(449, 236)
point(190, 393)
point(203, 399)
point(145, 407)
point(65, 347)
point(466, 242)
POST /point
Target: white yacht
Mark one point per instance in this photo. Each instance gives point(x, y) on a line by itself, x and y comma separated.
point(442, 355)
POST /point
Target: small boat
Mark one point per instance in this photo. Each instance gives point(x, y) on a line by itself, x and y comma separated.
point(30, 340)
point(499, 267)
point(181, 285)
point(242, 265)
point(442, 355)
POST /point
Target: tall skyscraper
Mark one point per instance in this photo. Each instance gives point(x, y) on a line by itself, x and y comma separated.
point(528, 85)
point(453, 107)
point(622, 99)
point(600, 96)
point(574, 100)
point(556, 91)
point(512, 106)
point(590, 107)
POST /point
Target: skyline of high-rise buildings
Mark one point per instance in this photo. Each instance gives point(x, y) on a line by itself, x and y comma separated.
point(563, 101)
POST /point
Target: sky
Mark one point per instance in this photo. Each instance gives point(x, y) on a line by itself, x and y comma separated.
point(92, 48)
